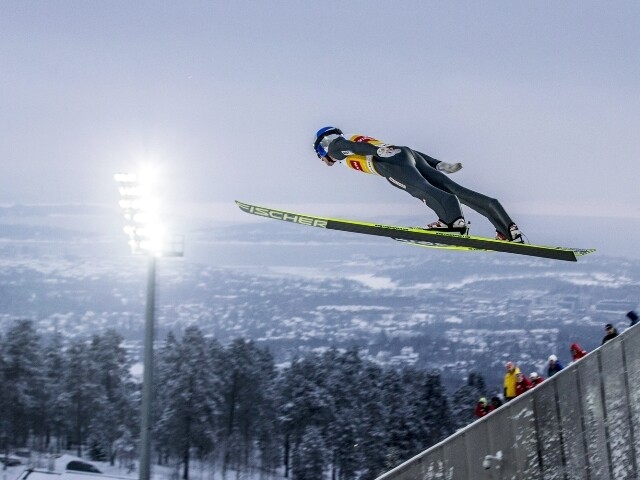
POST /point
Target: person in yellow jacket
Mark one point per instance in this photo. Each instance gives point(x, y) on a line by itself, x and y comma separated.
point(510, 380)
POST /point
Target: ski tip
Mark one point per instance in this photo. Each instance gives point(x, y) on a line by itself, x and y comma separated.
point(242, 205)
point(581, 252)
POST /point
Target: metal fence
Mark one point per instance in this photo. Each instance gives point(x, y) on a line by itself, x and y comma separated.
point(581, 424)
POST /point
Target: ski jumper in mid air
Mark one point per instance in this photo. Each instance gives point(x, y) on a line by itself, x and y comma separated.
point(420, 175)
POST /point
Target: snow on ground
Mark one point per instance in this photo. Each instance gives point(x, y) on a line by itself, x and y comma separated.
point(374, 282)
point(198, 471)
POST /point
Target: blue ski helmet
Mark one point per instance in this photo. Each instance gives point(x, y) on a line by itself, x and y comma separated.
point(318, 147)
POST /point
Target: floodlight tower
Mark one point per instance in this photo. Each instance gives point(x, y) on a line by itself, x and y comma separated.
point(146, 237)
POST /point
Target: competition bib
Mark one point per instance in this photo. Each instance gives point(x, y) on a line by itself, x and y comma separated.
point(360, 162)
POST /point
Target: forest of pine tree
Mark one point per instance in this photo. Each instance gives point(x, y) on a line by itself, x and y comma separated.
point(331, 415)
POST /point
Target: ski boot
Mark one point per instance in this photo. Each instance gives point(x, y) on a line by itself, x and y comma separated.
point(514, 233)
point(457, 226)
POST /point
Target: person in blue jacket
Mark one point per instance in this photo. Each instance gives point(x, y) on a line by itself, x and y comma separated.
point(554, 366)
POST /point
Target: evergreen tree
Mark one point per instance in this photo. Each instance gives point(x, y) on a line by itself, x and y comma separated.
point(343, 388)
point(53, 403)
point(465, 399)
point(246, 375)
point(396, 388)
point(302, 403)
point(433, 412)
point(268, 432)
point(4, 404)
point(22, 383)
point(114, 415)
point(80, 392)
point(371, 422)
point(189, 398)
point(166, 384)
point(309, 456)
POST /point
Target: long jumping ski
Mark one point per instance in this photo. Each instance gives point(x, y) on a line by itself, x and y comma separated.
point(418, 236)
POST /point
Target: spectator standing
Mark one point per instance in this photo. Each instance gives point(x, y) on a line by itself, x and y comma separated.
point(496, 402)
point(633, 317)
point(522, 384)
point(510, 381)
point(535, 379)
point(483, 408)
point(577, 352)
point(554, 366)
point(611, 333)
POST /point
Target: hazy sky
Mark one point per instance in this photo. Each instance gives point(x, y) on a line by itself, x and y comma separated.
point(539, 100)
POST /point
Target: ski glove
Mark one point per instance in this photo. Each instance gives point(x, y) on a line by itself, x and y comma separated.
point(448, 167)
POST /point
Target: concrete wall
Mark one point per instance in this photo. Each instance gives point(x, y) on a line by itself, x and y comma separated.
point(581, 424)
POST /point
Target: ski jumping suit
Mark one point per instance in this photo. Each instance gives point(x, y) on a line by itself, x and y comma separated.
point(416, 173)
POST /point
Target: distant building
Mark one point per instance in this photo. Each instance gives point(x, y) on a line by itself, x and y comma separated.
point(615, 306)
point(407, 357)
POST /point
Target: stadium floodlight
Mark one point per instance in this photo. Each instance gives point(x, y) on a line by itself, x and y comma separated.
point(147, 236)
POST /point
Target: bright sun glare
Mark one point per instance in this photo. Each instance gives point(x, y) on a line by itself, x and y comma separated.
point(141, 210)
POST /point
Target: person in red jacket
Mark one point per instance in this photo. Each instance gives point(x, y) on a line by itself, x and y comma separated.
point(535, 379)
point(577, 352)
point(483, 408)
point(522, 384)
